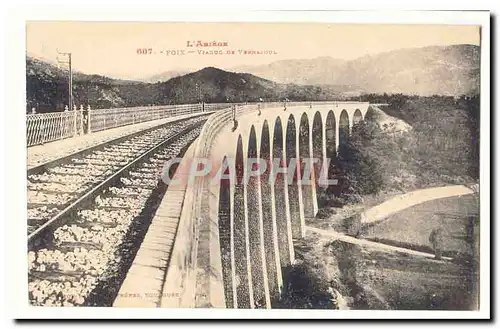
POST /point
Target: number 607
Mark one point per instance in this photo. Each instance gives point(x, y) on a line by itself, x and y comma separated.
point(144, 51)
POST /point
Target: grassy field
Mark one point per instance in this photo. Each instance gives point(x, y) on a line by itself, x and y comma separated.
point(370, 279)
point(375, 280)
point(394, 281)
point(398, 281)
point(410, 228)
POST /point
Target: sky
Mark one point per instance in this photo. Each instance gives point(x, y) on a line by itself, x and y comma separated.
point(111, 48)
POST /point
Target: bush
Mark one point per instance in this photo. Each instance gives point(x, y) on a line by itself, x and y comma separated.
point(311, 281)
point(304, 287)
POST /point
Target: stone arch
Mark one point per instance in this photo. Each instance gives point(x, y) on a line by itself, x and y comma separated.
point(317, 145)
point(226, 236)
point(356, 119)
point(280, 195)
point(271, 248)
point(293, 186)
point(344, 129)
point(305, 155)
point(241, 256)
point(330, 136)
point(259, 277)
point(331, 146)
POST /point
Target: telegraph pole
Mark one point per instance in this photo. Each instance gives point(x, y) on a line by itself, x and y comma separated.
point(70, 93)
point(70, 78)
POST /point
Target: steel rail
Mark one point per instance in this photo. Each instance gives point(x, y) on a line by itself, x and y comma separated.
point(37, 237)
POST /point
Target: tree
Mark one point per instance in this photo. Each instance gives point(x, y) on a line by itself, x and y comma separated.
point(360, 173)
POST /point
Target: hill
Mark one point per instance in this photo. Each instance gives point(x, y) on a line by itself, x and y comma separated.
point(218, 85)
point(434, 70)
point(429, 141)
point(47, 88)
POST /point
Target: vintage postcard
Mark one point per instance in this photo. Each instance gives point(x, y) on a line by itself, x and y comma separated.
point(329, 165)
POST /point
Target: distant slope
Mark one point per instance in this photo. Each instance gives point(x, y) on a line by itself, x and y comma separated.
point(164, 76)
point(321, 70)
point(451, 70)
point(442, 70)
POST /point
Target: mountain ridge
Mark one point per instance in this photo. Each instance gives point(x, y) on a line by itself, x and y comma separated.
point(442, 70)
point(445, 70)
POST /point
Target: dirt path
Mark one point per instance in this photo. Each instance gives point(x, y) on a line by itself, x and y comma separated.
point(413, 198)
point(369, 244)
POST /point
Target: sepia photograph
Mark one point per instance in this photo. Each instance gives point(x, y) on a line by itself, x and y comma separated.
point(278, 165)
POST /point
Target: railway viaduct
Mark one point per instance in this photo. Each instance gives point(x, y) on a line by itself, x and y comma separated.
point(235, 237)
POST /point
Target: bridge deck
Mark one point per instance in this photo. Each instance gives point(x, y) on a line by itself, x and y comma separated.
point(41, 154)
point(145, 279)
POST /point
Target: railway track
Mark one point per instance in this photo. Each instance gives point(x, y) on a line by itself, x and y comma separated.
point(54, 187)
point(79, 253)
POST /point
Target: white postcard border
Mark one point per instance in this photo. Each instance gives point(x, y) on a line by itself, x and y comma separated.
point(15, 146)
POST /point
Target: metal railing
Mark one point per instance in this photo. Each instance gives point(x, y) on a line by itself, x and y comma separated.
point(216, 106)
point(48, 127)
point(112, 118)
